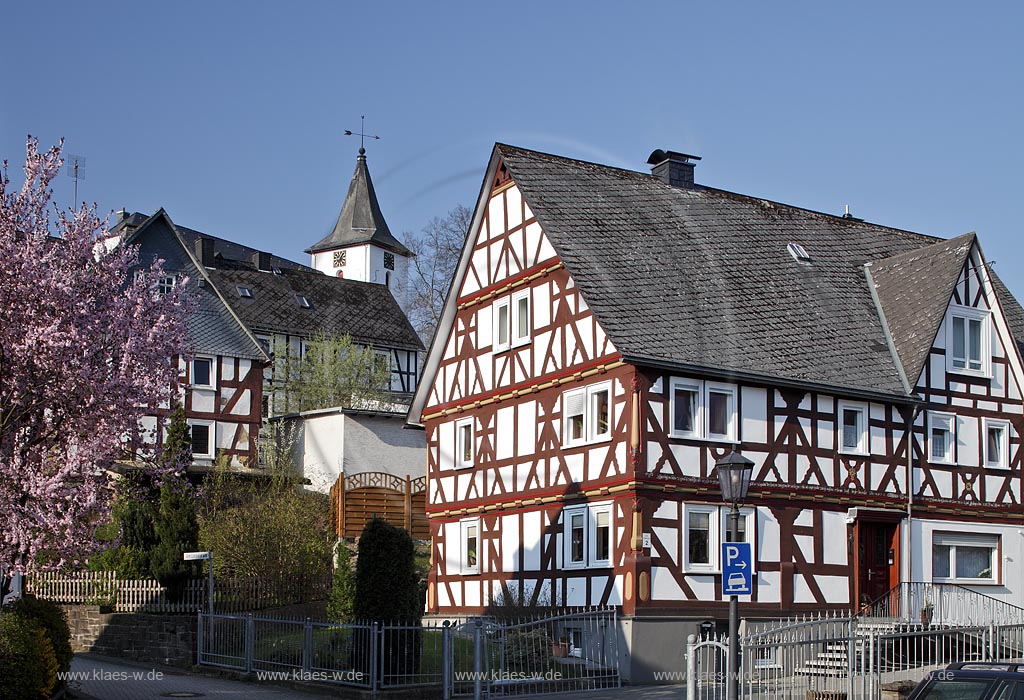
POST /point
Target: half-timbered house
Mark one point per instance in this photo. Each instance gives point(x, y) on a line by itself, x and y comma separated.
point(255, 310)
point(611, 334)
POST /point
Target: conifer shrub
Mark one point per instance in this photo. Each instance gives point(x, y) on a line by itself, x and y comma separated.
point(387, 591)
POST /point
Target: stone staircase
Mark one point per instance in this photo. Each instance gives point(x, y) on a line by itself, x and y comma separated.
point(834, 660)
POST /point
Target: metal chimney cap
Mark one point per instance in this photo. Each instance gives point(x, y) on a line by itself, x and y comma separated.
point(660, 156)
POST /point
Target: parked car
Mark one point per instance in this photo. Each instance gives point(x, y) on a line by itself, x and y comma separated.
point(973, 680)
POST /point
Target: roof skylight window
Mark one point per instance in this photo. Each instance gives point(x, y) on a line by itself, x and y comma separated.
point(303, 301)
point(275, 269)
point(798, 252)
point(244, 292)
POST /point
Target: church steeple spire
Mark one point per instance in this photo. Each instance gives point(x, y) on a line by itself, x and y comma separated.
point(361, 220)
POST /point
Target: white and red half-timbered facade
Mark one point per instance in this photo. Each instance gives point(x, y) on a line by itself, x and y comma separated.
point(610, 334)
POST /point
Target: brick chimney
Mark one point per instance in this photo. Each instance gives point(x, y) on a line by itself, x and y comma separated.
point(261, 260)
point(204, 251)
point(675, 169)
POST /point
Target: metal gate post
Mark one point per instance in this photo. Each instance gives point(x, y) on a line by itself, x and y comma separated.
point(872, 660)
point(307, 647)
point(691, 667)
point(446, 660)
point(374, 632)
point(851, 656)
point(199, 639)
point(250, 642)
point(478, 680)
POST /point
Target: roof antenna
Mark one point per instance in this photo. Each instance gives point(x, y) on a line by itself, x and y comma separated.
point(74, 167)
point(362, 134)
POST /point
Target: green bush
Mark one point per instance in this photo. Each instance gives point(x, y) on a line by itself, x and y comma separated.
point(387, 586)
point(343, 587)
point(28, 667)
point(53, 620)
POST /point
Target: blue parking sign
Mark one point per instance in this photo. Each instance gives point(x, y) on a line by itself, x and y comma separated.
point(736, 566)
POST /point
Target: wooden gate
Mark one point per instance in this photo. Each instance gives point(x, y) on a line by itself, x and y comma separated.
point(355, 498)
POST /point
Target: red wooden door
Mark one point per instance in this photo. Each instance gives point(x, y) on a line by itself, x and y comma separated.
point(877, 559)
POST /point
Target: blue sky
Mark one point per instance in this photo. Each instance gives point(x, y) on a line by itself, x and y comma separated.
point(231, 115)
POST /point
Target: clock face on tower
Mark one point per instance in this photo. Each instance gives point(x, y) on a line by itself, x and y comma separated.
point(340, 258)
point(389, 261)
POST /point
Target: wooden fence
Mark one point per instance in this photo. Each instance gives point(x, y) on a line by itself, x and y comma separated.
point(356, 498)
point(135, 595)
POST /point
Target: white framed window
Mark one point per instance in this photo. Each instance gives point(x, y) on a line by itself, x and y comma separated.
point(965, 557)
point(202, 434)
point(853, 427)
point(587, 535)
point(166, 284)
point(685, 398)
point(574, 411)
point(720, 409)
point(464, 445)
point(941, 437)
point(707, 527)
point(203, 372)
point(469, 536)
point(576, 537)
point(968, 341)
point(502, 329)
point(587, 414)
point(599, 415)
point(521, 317)
point(704, 410)
point(700, 548)
point(996, 442)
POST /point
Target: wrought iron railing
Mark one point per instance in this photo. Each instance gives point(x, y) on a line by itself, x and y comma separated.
point(926, 603)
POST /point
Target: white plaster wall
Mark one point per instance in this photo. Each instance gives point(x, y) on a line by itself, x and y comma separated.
point(1011, 545)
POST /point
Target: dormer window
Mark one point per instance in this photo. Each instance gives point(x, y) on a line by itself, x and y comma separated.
point(244, 292)
point(967, 346)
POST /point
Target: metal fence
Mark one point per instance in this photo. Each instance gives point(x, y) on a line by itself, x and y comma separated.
point(843, 658)
point(567, 652)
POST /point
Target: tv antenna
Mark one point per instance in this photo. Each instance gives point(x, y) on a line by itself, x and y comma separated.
point(74, 166)
point(361, 134)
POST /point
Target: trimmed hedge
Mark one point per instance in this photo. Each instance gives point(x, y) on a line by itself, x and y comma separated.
point(28, 666)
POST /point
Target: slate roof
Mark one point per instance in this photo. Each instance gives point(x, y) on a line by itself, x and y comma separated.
point(361, 220)
point(701, 278)
point(211, 327)
point(368, 312)
point(229, 253)
point(914, 289)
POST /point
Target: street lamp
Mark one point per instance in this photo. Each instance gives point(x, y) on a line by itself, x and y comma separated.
point(734, 471)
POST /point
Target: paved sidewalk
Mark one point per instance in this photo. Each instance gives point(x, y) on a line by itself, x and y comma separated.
point(108, 679)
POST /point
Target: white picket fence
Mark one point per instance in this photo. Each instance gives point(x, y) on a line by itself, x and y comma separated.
point(105, 588)
point(141, 595)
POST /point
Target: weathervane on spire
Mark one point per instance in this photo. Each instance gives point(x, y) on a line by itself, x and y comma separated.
point(362, 134)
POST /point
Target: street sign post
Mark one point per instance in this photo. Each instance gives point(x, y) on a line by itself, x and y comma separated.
point(203, 556)
point(736, 569)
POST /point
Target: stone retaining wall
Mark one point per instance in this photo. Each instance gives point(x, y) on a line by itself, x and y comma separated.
point(163, 639)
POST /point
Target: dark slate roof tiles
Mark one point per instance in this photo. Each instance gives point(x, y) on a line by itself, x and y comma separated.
point(914, 289)
point(702, 277)
point(368, 312)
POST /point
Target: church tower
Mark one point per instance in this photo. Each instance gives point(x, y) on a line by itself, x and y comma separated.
point(361, 246)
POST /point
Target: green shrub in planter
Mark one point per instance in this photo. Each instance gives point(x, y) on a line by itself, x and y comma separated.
point(28, 667)
point(53, 620)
